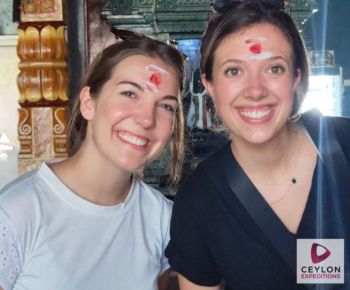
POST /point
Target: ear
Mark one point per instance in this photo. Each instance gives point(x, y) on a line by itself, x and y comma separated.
point(297, 79)
point(87, 104)
point(208, 86)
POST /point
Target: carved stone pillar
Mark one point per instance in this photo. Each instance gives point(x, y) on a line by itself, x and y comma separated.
point(42, 83)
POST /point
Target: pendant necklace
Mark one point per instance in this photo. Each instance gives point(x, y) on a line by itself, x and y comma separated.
point(291, 181)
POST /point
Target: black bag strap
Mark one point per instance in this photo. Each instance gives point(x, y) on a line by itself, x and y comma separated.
point(282, 240)
point(334, 159)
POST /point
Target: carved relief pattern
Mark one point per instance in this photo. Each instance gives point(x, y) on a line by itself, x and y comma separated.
point(42, 134)
point(35, 132)
point(170, 5)
point(182, 5)
point(43, 75)
point(41, 10)
point(59, 131)
point(59, 125)
point(42, 83)
point(25, 132)
point(122, 7)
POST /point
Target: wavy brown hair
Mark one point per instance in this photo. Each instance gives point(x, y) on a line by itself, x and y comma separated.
point(100, 71)
point(244, 15)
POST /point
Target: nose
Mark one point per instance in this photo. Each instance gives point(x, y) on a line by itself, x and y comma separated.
point(256, 88)
point(145, 115)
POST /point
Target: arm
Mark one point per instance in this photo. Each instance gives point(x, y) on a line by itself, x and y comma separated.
point(163, 280)
point(187, 285)
point(189, 248)
point(9, 251)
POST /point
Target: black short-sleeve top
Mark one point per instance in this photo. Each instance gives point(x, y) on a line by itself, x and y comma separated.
point(214, 238)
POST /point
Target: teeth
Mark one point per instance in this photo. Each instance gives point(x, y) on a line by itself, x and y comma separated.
point(256, 114)
point(132, 139)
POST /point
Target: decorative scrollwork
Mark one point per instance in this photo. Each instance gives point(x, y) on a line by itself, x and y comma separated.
point(59, 122)
point(23, 128)
point(170, 5)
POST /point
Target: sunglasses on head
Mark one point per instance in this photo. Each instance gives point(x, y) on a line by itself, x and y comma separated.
point(222, 6)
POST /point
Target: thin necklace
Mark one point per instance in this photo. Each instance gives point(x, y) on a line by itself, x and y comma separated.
point(282, 196)
point(291, 181)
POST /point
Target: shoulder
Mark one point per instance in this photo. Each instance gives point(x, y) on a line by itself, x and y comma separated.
point(209, 176)
point(23, 198)
point(151, 197)
point(210, 170)
point(314, 119)
point(320, 126)
point(341, 128)
point(20, 190)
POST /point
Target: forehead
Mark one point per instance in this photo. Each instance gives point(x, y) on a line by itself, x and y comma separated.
point(141, 68)
point(270, 37)
point(140, 62)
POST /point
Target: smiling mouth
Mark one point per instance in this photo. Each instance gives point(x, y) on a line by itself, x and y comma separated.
point(256, 114)
point(132, 139)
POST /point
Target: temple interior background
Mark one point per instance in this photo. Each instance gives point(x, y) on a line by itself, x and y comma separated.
point(45, 46)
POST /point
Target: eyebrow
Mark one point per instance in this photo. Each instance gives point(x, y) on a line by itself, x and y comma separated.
point(241, 61)
point(170, 97)
point(138, 86)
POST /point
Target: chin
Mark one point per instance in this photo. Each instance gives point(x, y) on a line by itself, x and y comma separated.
point(257, 138)
point(128, 166)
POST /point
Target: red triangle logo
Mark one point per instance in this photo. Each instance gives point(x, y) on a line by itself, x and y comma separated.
point(315, 258)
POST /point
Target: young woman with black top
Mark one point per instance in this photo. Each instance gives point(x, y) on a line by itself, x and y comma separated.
point(282, 181)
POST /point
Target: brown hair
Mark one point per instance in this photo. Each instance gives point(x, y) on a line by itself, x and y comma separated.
point(100, 71)
point(244, 15)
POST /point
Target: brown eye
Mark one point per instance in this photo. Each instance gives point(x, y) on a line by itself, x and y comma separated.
point(168, 107)
point(233, 71)
point(277, 69)
point(128, 94)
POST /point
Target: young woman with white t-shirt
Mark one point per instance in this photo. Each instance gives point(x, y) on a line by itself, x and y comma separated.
point(89, 222)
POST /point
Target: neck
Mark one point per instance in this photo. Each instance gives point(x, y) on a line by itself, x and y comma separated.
point(272, 158)
point(94, 179)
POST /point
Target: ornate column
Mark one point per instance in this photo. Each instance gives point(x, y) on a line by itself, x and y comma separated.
point(42, 83)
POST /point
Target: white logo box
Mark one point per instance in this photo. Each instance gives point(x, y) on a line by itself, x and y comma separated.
point(320, 261)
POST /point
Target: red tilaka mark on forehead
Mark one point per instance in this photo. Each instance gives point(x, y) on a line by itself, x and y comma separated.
point(255, 48)
point(155, 79)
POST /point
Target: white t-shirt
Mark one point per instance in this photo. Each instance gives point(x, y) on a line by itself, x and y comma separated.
point(51, 239)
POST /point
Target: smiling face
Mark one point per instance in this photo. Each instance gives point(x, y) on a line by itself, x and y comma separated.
point(131, 120)
point(253, 83)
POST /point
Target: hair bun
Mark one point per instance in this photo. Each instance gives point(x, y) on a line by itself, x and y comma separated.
point(222, 6)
